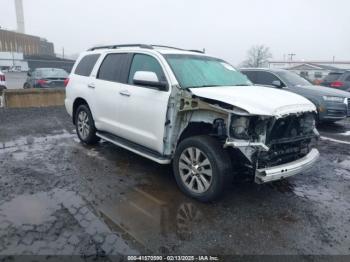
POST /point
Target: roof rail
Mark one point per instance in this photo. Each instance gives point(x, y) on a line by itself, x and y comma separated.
point(142, 46)
point(170, 47)
point(181, 49)
point(120, 46)
point(197, 51)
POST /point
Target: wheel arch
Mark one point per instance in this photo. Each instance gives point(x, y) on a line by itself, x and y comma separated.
point(78, 102)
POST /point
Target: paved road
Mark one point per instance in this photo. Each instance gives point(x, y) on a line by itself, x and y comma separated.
point(15, 80)
point(58, 196)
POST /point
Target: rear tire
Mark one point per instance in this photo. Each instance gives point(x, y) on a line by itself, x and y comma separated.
point(202, 168)
point(85, 125)
point(26, 86)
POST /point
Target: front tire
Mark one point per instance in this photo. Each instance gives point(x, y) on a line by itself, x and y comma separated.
point(85, 126)
point(202, 168)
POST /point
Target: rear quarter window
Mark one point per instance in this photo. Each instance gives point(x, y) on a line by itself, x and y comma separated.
point(250, 74)
point(86, 64)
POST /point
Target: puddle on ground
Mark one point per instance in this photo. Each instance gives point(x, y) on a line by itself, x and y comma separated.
point(154, 220)
point(39, 209)
point(27, 141)
point(29, 209)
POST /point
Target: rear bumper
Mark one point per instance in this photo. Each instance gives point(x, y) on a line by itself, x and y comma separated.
point(286, 170)
point(69, 106)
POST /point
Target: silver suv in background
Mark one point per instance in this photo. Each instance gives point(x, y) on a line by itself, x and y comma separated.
point(193, 111)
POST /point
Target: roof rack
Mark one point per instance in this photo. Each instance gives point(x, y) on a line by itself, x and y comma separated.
point(142, 46)
point(120, 46)
point(181, 49)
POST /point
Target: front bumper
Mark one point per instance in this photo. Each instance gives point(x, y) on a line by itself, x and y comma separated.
point(333, 111)
point(270, 174)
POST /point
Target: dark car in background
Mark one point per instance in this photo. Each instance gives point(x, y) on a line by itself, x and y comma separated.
point(46, 78)
point(332, 105)
point(338, 79)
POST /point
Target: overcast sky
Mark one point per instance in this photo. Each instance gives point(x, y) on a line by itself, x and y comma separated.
point(312, 29)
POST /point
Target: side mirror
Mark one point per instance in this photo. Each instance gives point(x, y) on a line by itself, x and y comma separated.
point(148, 78)
point(277, 83)
point(29, 73)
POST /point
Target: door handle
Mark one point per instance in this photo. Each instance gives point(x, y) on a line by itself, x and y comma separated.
point(92, 85)
point(124, 93)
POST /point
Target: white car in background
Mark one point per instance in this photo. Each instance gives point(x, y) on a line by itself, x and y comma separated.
point(2, 81)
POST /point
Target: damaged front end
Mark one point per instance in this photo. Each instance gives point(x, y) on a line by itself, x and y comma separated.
point(275, 147)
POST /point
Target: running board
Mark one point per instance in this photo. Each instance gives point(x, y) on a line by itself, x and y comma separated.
point(135, 148)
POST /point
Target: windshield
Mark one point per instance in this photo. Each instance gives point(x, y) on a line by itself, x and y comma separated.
point(292, 79)
point(201, 71)
point(52, 73)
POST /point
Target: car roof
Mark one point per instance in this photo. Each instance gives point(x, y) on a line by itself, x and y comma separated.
point(152, 48)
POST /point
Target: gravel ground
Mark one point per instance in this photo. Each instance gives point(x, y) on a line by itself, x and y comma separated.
point(59, 197)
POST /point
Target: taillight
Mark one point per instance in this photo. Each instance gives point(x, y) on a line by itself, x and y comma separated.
point(2, 78)
point(337, 84)
point(66, 81)
point(41, 82)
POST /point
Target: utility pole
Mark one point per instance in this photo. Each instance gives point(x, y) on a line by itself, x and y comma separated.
point(333, 59)
point(291, 56)
point(63, 52)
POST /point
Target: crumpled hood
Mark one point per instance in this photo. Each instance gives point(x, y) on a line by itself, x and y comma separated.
point(257, 100)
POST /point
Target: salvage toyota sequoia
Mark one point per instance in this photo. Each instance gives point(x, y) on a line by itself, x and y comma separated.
point(192, 110)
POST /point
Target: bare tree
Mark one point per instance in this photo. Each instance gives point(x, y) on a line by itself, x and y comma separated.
point(257, 56)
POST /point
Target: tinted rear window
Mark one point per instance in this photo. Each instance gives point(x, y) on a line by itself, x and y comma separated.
point(86, 65)
point(332, 76)
point(52, 73)
point(115, 67)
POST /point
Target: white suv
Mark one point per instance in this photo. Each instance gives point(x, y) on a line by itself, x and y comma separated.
point(192, 110)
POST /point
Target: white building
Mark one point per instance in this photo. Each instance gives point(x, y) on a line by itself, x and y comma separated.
point(312, 70)
point(13, 61)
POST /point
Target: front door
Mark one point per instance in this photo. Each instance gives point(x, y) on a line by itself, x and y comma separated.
point(143, 114)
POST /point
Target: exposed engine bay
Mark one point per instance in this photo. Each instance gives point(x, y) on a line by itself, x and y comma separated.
point(282, 139)
point(263, 140)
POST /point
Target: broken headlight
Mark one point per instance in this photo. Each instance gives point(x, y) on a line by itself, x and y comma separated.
point(239, 127)
point(308, 123)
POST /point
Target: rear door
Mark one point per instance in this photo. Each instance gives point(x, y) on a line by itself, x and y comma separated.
point(143, 114)
point(111, 79)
